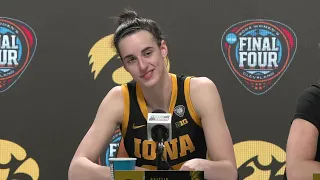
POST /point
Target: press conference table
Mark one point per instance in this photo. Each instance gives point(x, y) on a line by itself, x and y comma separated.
point(159, 175)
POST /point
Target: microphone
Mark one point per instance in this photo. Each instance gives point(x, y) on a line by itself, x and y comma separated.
point(159, 126)
point(159, 130)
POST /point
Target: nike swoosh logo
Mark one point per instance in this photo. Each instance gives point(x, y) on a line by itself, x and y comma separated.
point(137, 127)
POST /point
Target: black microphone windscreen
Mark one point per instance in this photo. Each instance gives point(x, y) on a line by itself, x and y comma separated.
point(158, 111)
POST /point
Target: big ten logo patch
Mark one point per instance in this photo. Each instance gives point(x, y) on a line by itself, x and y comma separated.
point(17, 46)
point(181, 123)
point(259, 160)
point(258, 52)
point(15, 164)
point(102, 53)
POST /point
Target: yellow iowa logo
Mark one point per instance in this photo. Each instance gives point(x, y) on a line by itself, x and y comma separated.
point(26, 166)
point(259, 160)
point(103, 52)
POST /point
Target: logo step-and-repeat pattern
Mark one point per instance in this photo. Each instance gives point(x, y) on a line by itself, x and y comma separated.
point(254, 53)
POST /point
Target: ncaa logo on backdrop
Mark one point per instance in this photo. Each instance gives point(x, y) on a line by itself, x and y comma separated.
point(258, 52)
point(17, 46)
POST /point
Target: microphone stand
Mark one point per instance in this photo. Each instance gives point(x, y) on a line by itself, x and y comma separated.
point(159, 135)
point(159, 151)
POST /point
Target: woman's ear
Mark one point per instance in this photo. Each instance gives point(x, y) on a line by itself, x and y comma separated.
point(164, 49)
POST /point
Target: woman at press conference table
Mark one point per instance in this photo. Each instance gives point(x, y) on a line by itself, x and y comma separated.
point(303, 146)
point(142, 48)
